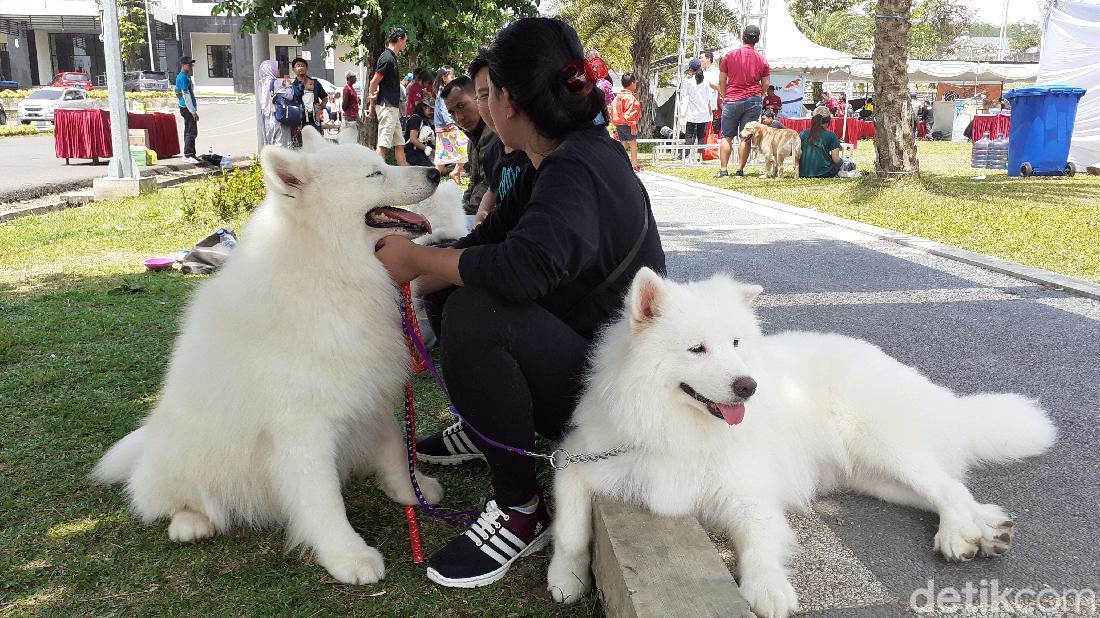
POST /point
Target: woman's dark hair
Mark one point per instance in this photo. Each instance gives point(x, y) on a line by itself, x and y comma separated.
point(628, 78)
point(294, 63)
point(536, 59)
point(817, 127)
point(439, 75)
point(421, 108)
point(699, 76)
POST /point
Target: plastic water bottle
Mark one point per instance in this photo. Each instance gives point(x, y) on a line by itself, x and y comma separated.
point(979, 155)
point(210, 151)
point(998, 153)
point(226, 238)
point(227, 163)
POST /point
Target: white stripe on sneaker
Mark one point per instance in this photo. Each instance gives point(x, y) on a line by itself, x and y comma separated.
point(452, 445)
point(512, 538)
point(504, 547)
point(494, 555)
point(470, 448)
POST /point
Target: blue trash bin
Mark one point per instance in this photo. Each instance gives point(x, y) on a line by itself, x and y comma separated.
point(1041, 129)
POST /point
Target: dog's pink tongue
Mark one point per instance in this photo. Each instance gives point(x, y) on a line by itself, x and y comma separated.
point(732, 414)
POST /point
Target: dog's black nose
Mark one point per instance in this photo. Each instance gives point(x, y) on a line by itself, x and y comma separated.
point(433, 175)
point(744, 387)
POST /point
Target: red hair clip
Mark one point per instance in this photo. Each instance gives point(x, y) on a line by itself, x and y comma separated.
point(575, 78)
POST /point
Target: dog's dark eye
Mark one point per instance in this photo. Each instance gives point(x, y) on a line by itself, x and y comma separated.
point(373, 174)
point(736, 342)
point(699, 349)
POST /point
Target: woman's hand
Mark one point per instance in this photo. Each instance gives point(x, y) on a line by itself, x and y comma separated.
point(396, 253)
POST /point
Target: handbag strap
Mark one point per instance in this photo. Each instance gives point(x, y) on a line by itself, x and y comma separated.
point(626, 261)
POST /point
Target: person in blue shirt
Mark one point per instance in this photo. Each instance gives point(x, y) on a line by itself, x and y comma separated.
point(185, 96)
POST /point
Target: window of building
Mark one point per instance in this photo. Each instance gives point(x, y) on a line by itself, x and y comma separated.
point(219, 61)
point(284, 54)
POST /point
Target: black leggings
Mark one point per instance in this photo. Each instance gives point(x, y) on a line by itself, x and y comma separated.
point(514, 369)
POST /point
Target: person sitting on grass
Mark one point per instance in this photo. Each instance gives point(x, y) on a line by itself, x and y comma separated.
point(820, 147)
point(626, 111)
point(419, 151)
point(768, 119)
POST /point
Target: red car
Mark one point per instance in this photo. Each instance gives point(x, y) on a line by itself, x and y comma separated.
point(76, 79)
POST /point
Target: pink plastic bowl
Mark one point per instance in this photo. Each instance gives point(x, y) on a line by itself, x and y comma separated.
point(159, 263)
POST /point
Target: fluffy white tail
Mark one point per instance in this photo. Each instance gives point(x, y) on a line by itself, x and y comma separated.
point(117, 465)
point(1006, 426)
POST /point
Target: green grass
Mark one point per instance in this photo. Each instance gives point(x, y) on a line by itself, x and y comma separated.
point(80, 366)
point(1050, 223)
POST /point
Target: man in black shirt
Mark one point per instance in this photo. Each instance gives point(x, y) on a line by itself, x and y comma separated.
point(484, 149)
point(385, 96)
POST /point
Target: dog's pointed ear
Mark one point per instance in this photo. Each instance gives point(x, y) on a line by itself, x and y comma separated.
point(286, 172)
point(312, 141)
point(750, 292)
point(645, 297)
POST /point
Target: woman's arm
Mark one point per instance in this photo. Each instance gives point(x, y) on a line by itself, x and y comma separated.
point(835, 154)
point(407, 260)
point(414, 139)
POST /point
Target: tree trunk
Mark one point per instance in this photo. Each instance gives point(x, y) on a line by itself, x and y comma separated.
point(895, 149)
point(641, 50)
point(373, 41)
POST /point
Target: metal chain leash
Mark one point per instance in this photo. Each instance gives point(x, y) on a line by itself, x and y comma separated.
point(560, 459)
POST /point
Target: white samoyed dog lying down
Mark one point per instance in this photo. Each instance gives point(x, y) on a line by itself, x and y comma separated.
point(736, 428)
point(288, 368)
point(443, 210)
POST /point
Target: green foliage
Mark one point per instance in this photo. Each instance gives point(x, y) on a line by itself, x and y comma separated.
point(844, 30)
point(18, 129)
point(935, 25)
point(16, 94)
point(234, 195)
point(131, 30)
point(440, 31)
point(1022, 35)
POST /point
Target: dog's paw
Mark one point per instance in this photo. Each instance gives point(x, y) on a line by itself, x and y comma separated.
point(997, 528)
point(188, 526)
point(432, 490)
point(769, 595)
point(362, 565)
point(568, 580)
point(987, 533)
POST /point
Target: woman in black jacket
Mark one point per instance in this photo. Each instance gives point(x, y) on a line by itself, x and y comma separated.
point(518, 302)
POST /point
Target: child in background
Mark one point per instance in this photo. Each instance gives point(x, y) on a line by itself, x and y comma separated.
point(626, 111)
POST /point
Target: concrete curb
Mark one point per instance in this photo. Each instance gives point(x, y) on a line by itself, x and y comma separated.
point(165, 167)
point(1074, 285)
point(66, 202)
point(647, 566)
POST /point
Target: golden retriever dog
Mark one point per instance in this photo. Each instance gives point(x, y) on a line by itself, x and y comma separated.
point(774, 145)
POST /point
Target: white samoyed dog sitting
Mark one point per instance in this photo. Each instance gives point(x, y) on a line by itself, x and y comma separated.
point(443, 210)
point(289, 366)
point(736, 428)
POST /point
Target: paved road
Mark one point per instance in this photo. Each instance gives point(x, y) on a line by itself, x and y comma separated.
point(29, 162)
point(967, 328)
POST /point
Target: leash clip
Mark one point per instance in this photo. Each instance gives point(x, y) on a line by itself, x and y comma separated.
point(559, 459)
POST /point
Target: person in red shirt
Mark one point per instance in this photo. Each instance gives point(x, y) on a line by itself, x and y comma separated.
point(743, 76)
point(626, 112)
point(350, 98)
point(772, 101)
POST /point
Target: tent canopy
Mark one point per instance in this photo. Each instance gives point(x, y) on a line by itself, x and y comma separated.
point(1071, 36)
point(956, 71)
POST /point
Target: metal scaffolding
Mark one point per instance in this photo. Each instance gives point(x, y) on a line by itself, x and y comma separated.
point(691, 44)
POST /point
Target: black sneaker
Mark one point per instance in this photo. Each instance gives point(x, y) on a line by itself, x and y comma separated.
point(485, 552)
point(740, 173)
point(722, 174)
point(449, 447)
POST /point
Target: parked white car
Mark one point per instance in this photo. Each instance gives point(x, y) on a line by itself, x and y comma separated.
point(39, 106)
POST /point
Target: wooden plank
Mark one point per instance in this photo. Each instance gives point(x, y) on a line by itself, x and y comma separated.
point(648, 566)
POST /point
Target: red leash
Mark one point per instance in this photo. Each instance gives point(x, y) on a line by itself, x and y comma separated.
point(418, 365)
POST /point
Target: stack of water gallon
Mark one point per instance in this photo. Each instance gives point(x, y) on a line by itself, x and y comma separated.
point(990, 153)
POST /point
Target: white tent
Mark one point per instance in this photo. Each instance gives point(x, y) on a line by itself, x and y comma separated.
point(1071, 38)
point(956, 71)
point(789, 51)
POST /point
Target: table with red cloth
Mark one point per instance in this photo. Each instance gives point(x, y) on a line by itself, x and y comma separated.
point(86, 133)
point(857, 129)
point(990, 123)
